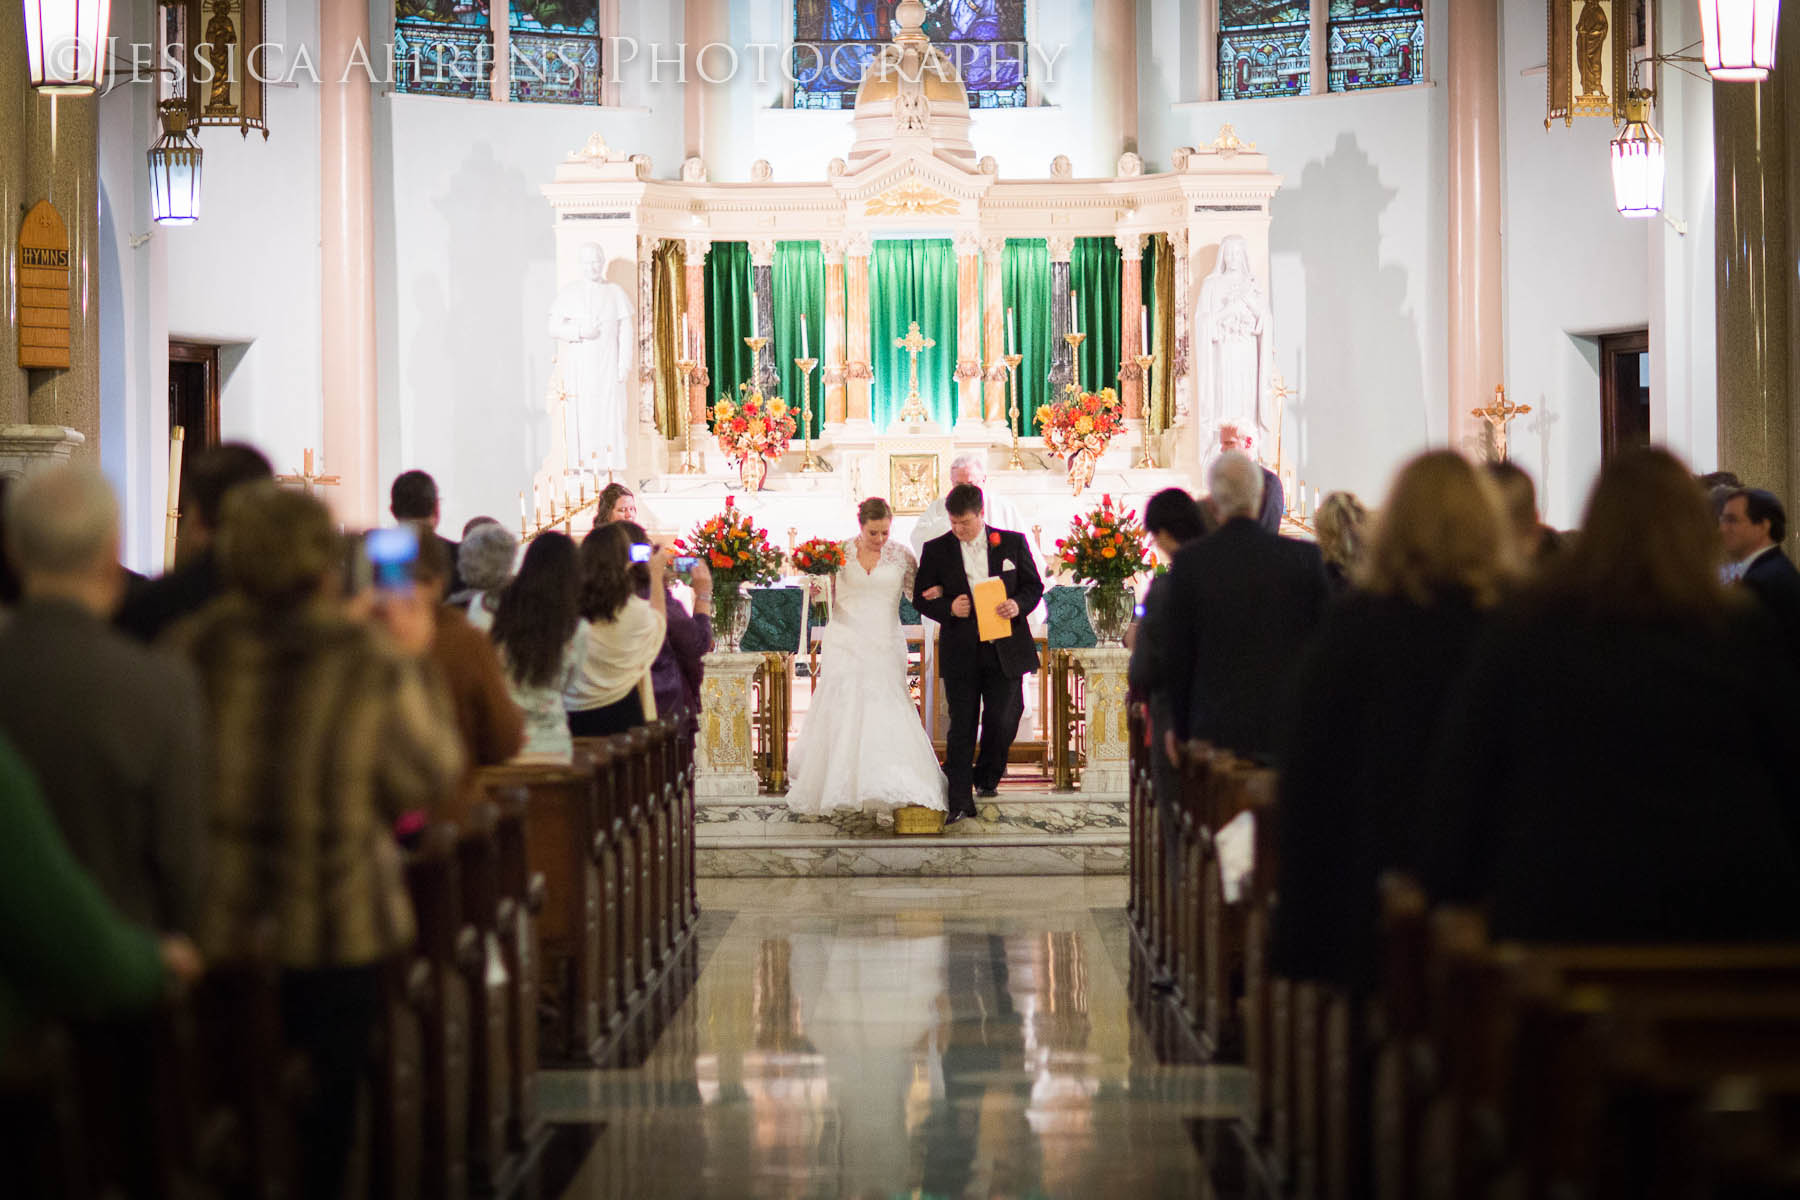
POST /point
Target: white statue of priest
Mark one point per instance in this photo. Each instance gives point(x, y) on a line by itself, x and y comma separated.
point(1236, 349)
point(592, 319)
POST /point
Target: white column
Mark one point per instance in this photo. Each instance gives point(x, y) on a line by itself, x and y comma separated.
point(725, 762)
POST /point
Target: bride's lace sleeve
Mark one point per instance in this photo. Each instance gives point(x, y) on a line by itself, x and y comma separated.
point(910, 572)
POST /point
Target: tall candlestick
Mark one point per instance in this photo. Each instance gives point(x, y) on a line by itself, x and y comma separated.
point(1012, 332)
point(805, 351)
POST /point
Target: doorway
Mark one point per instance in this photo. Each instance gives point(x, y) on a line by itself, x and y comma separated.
point(1624, 392)
point(194, 399)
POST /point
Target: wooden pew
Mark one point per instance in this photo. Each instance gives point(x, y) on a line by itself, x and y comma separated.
point(522, 892)
point(450, 950)
point(613, 862)
point(397, 1144)
point(489, 988)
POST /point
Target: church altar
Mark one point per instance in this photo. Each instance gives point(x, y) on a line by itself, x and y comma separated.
point(912, 173)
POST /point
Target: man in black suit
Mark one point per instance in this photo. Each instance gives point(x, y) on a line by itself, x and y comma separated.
point(1240, 607)
point(414, 497)
point(982, 680)
point(152, 607)
point(1752, 525)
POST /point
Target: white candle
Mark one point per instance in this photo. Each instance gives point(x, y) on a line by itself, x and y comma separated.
point(755, 325)
point(1144, 347)
point(803, 347)
point(523, 515)
point(687, 343)
point(1074, 312)
point(1012, 333)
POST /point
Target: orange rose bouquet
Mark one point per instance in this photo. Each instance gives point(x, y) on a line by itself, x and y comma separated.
point(1105, 546)
point(1078, 427)
point(824, 558)
point(753, 431)
point(735, 549)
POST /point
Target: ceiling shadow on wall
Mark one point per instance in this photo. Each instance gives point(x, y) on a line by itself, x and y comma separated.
point(1362, 395)
point(464, 363)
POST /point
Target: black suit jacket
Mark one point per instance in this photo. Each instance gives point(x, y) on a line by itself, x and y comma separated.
point(1241, 606)
point(959, 643)
point(1274, 502)
point(1774, 580)
point(153, 605)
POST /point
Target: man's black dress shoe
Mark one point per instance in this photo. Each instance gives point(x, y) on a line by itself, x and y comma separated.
point(952, 819)
point(987, 793)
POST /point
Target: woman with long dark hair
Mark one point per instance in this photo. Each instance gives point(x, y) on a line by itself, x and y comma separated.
point(1617, 764)
point(613, 692)
point(541, 636)
point(679, 667)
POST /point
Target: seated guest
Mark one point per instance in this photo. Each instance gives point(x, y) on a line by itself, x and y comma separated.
point(1615, 763)
point(414, 497)
point(1753, 525)
point(1371, 691)
point(65, 953)
point(111, 728)
point(1241, 605)
point(325, 730)
point(491, 725)
point(1339, 522)
point(207, 480)
point(999, 512)
point(541, 638)
point(1273, 506)
point(617, 503)
point(613, 691)
point(1535, 542)
point(485, 562)
point(676, 674)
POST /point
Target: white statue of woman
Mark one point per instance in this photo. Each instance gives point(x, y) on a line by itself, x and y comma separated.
point(1235, 344)
point(592, 319)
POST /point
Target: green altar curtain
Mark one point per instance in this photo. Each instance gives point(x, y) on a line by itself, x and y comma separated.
point(913, 281)
point(727, 321)
point(1094, 270)
point(800, 289)
point(1025, 285)
point(1159, 298)
point(668, 300)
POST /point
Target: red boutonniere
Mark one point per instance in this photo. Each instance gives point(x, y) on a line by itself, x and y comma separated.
point(993, 538)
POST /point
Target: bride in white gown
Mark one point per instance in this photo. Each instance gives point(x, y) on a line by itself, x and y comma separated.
point(862, 747)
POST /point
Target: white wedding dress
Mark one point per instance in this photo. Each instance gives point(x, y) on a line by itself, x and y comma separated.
point(861, 747)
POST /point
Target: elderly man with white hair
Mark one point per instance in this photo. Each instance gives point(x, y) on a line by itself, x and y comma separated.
point(1240, 607)
point(935, 521)
point(113, 730)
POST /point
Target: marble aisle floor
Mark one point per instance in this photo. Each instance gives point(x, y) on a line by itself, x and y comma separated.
point(936, 1037)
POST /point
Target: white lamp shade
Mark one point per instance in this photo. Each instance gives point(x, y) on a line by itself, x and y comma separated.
point(1738, 38)
point(65, 44)
point(175, 184)
point(1638, 169)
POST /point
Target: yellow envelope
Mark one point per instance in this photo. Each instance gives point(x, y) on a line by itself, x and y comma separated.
point(987, 596)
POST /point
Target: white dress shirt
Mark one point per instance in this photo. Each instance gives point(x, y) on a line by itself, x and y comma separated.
point(935, 521)
point(975, 557)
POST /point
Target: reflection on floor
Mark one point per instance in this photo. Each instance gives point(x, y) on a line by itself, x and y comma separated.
point(880, 1038)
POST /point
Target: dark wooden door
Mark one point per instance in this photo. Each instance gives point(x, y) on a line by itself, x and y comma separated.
point(194, 397)
point(1624, 391)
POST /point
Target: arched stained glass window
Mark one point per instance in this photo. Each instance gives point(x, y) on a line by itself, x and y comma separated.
point(555, 57)
point(1265, 48)
point(443, 47)
point(835, 39)
point(1376, 43)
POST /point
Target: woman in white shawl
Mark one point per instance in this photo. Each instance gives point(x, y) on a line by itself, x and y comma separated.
point(612, 692)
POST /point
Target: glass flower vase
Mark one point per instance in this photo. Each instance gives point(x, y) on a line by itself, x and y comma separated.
point(731, 615)
point(1110, 607)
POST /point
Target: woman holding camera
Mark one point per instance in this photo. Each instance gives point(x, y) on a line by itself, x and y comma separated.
point(613, 691)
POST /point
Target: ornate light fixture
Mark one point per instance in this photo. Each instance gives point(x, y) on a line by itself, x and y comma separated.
point(1638, 165)
point(65, 44)
point(174, 170)
point(1739, 38)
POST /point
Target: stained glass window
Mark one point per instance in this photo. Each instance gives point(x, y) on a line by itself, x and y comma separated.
point(555, 56)
point(443, 47)
point(1265, 49)
point(1376, 43)
point(835, 39)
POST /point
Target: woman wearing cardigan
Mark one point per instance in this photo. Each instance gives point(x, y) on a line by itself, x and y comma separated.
point(613, 692)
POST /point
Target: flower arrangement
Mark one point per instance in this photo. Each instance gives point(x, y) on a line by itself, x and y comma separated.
point(819, 557)
point(753, 431)
point(1105, 546)
point(1079, 426)
point(735, 549)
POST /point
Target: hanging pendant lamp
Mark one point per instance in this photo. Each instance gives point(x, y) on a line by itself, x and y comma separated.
point(65, 44)
point(174, 170)
point(1638, 161)
point(1738, 38)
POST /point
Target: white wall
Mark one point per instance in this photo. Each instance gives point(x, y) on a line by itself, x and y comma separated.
point(1357, 247)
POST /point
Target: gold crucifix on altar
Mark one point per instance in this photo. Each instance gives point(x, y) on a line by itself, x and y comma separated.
point(914, 343)
point(1499, 415)
point(307, 478)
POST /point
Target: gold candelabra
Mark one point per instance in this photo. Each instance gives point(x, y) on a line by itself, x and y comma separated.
point(688, 368)
point(1074, 340)
point(1013, 461)
point(809, 464)
point(1144, 364)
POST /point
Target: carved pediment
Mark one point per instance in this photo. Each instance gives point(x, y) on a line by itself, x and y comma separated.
point(912, 197)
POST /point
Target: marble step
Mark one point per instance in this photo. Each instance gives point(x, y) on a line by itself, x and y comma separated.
point(1025, 813)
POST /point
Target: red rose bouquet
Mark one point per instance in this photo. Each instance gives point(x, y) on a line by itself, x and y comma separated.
point(735, 549)
point(1105, 546)
point(821, 558)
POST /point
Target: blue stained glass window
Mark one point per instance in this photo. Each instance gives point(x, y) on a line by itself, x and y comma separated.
point(555, 55)
point(1265, 49)
point(1376, 43)
point(835, 39)
point(443, 47)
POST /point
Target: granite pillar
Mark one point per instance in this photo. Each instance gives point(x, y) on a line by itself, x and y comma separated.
point(835, 308)
point(694, 271)
point(993, 252)
point(1131, 322)
point(859, 370)
point(1476, 332)
point(1062, 356)
point(762, 279)
point(968, 331)
point(347, 257)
